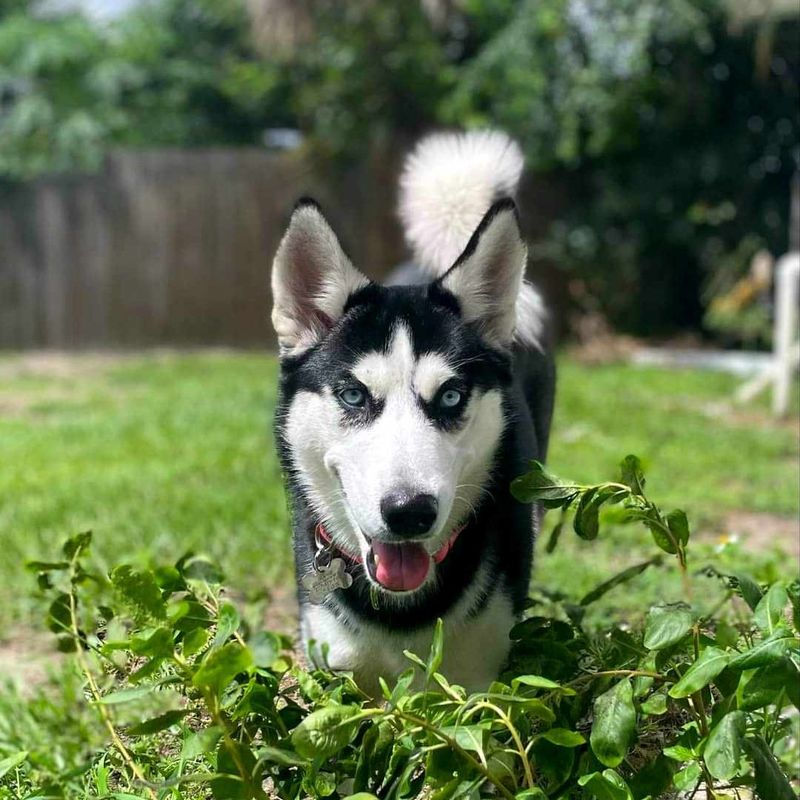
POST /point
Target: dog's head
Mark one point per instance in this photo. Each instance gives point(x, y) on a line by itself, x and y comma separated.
point(393, 397)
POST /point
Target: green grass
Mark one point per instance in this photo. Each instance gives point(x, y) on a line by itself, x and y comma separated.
point(165, 453)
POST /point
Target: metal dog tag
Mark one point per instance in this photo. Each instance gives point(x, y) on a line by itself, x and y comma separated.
point(326, 578)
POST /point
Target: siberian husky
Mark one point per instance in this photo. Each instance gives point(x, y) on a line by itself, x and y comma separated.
point(405, 412)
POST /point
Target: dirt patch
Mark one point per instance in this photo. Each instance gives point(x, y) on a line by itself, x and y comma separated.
point(26, 659)
point(748, 417)
point(281, 613)
point(762, 530)
point(62, 365)
point(54, 364)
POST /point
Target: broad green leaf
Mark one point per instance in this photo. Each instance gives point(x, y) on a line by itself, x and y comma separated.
point(563, 737)
point(400, 691)
point(749, 589)
point(771, 782)
point(666, 626)
point(769, 611)
point(725, 635)
point(437, 649)
point(227, 624)
point(276, 755)
point(59, 615)
point(537, 681)
point(767, 651)
point(200, 568)
point(201, 742)
point(686, 779)
point(325, 732)
point(614, 723)
point(586, 522)
point(711, 662)
point(553, 762)
point(655, 705)
point(415, 659)
point(642, 684)
point(679, 752)
point(531, 794)
point(308, 685)
point(156, 724)
point(794, 596)
point(678, 524)
point(606, 785)
point(632, 474)
point(457, 789)
point(157, 645)
point(46, 566)
point(470, 737)
point(12, 761)
point(195, 641)
point(319, 784)
point(765, 686)
point(538, 485)
point(535, 708)
point(230, 783)
point(265, 647)
point(555, 533)
point(75, 545)
point(127, 695)
point(219, 667)
point(361, 796)
point(660, 531)
point(139, 592)
point(500, 763)
point(724, 746)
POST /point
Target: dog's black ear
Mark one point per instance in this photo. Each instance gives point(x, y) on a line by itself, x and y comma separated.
point(311, 280)
point(487, 277)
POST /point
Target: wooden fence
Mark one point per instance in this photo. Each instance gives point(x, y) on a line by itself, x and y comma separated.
point(171, 247)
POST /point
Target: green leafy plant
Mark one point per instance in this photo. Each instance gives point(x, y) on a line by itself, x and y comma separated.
point(196, 701)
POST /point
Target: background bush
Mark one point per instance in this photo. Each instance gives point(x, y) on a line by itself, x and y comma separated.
point(667, 131)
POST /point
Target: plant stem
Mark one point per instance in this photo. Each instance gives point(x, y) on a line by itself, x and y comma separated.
point(629, 673)
point(526, 764)
point(454, 745)
point(95, 691)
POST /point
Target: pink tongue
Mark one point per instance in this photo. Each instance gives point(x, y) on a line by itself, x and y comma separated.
point(401, 567)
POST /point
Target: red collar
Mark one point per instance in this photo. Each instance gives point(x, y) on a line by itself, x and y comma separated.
point(439, 556)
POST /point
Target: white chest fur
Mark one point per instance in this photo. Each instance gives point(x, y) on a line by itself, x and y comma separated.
point(475, 645)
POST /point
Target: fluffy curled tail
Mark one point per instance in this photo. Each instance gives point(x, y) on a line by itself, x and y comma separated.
point(448, 183)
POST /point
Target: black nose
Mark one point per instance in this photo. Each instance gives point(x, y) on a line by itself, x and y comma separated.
point(409, 514)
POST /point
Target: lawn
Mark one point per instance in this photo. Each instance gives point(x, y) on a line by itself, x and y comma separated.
point(164, 453)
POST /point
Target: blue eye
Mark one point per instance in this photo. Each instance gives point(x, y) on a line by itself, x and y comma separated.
point(353, 397)
point(450, 398)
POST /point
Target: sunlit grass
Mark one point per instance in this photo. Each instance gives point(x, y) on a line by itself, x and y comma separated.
point(165, 453)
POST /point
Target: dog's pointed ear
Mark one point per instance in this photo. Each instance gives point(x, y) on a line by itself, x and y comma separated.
point(312, 279)
point(487, 277)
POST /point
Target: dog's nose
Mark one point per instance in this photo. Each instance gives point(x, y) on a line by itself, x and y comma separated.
point(409, 514)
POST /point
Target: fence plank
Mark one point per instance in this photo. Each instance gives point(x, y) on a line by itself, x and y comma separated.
point(171, 247)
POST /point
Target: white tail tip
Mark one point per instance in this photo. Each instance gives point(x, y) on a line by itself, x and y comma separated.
point(447, 185)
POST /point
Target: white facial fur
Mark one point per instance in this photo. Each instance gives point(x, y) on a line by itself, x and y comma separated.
point(346, 470)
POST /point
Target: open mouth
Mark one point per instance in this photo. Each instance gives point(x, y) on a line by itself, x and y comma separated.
point(398, 567)
point(404, 567)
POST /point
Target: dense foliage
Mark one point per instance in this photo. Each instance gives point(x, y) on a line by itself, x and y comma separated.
point(177, 72)
point(666, 131)
point(195, 700)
